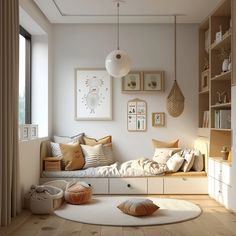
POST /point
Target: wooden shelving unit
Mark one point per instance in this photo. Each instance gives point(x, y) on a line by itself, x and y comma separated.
point(217, 96)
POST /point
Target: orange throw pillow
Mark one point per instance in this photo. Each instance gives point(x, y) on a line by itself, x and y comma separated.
point(161, 144)
point(138, 207)
point(72, 156)
point(93, 141)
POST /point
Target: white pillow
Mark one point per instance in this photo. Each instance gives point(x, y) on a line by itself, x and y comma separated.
point(162, 155)
point(92, 155)
point(175, 162)
point(198, 163)
point(67, 139)
point(188, 161)
point(56, 150)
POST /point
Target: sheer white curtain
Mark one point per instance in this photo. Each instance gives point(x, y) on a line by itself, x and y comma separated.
point(9, 89)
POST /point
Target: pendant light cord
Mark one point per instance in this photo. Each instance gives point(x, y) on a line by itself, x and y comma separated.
point(118, 26)
point(175, 49)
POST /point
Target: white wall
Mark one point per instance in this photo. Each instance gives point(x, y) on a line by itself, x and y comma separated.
point(150, 47)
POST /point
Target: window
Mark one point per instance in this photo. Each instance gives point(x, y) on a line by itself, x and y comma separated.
point(24, 77)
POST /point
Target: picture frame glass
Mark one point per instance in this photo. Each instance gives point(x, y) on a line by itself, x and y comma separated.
point(158, 119)
point(152, 81)
point(93, 95)
point(131, 82)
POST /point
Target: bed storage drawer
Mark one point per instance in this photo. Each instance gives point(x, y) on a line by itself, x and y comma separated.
point(128, 185)
point(185, 185)
point(155, 185)
point(99, 185)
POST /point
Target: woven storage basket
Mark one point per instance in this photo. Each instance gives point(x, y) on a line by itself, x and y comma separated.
point(175, 101)
point(45, 199)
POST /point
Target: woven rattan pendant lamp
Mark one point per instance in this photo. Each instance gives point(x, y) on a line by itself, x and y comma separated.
point(175, 99)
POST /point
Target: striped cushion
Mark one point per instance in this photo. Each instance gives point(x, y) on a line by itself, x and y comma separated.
point(108, 155)
point(92, 155)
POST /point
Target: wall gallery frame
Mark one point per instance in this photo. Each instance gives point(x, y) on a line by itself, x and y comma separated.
point(137, 115)
point(158, 119)
point(153, 81)
point(93, 94)
point(132, 82)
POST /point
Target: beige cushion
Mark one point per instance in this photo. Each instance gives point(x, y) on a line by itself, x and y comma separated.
point(138, 207)
point(55, 149)
point(72, 156)
point(108, 155)
point(92, 155)
point(161, 144)
point(93, 141)
point(198, 164)
point(188, 161)
point(175, 162)
point(162, 155)
point(67, 139)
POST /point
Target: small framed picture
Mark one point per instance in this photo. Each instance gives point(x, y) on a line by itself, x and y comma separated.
point(205, 81)
point(34, 131)
point(131, 82)
point(158, 119)
point(24, 132)
point(153, 81)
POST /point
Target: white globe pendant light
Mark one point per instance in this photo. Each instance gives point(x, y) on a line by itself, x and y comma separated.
point(117, 62)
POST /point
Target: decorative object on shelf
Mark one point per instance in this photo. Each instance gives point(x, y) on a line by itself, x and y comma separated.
point(158, 119)
point(207, 40)
point(222, 97)
point(153, 81)
point(136, 115)
point(224, 55)
point(24, 132)
point(225, 153)
point(205, 81)
point(205, 123)
point(93, 94)
point(175, 99)
point(118, 63)
point(219, 35)
point(34, 131)
point(131, 82)
point(222, 119)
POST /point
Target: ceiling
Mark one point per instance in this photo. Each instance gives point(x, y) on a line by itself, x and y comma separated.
point(131, 11)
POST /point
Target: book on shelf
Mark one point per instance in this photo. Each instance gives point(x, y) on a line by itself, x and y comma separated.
point(205, 123)
point(222, 119)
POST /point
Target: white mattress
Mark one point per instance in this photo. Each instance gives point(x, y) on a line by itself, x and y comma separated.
point(133, 168)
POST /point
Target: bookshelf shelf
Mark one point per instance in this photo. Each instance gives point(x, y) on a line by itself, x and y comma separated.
point(222, 77)
point(224, 43)
point(223, 130)
point(204, 92)
point(222, 105)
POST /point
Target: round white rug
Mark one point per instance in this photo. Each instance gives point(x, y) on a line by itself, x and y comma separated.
point(103, 211)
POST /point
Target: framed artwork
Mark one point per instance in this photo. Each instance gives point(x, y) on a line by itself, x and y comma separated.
point(158, 119)
point(137, 115)
point(131, 82)
point(93, 94)
point(25, 132)
point(205, 81)
point(153, 81)
point(34, 131)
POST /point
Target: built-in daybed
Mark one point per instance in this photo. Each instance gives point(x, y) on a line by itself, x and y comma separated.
point(110, 180)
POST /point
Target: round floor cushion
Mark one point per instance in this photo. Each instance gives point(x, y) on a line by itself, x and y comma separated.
point(78, 193)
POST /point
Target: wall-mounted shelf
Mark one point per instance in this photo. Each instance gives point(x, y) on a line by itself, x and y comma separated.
point(223, 130)
point(204, 92)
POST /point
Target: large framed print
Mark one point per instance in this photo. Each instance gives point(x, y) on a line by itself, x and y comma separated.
point(93, 94)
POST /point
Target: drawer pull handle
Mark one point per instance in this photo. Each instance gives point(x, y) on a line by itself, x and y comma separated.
point(89, 185)
point(219, 191)
point(128, 185)
point(184, 179)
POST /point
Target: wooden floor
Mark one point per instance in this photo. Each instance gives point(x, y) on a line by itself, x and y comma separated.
point(215, 220)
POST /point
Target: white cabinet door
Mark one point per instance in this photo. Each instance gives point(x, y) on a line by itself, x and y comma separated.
point(185, 185)
point(226, 169)
point(155, 185)
point(99, 185)
point(211, 168)
point(128, 185)
point(211, 186)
